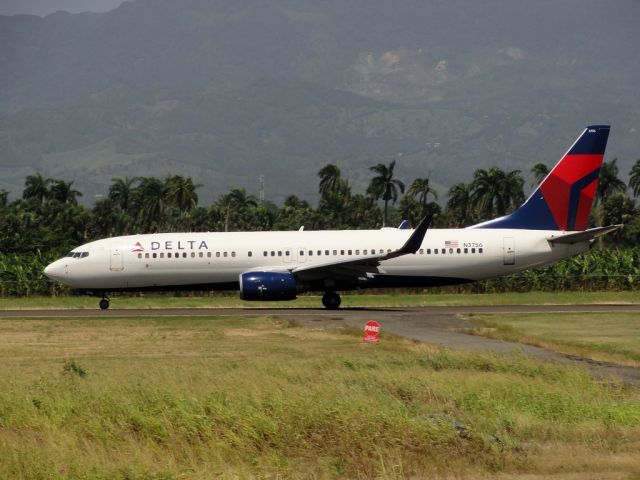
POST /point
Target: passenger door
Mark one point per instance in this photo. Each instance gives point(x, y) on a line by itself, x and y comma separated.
point(509, 248)
point(116, 263)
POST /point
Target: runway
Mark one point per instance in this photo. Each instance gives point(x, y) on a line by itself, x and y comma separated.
point(346, 312)
point(436, 325)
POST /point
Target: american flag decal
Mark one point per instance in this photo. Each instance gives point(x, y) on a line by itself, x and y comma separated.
point(451, 243)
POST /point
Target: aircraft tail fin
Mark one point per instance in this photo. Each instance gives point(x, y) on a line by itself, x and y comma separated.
point(564, 198)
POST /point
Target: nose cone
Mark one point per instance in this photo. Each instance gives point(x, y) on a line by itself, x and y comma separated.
point(55, 270)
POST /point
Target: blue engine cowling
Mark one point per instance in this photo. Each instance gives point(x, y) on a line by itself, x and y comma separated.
point(267, 286)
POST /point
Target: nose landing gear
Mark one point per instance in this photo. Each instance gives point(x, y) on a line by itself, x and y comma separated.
point(331, 300)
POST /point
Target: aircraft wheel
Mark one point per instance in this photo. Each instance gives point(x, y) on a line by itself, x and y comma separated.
point(331, 300)
point(104, 304)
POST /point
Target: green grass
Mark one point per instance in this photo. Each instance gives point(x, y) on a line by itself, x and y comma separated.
point(349, 300)
point(599, 336)
point(245, 397)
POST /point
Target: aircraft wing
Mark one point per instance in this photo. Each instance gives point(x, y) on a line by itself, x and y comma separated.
point(364, 265)
point(585, 236)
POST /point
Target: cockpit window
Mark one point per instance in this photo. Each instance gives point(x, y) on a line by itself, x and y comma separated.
point(76, 255)
point(84, 255)
point(70, 254)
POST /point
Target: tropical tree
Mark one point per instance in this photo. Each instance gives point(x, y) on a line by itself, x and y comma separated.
point(385, 186)
point(236, 202)
point(609, 182)
point(36, 187)
point(494, 192)
point(121, 192)
point(421, 190)
point(634, 178)
point(180, 192)
point(458, 210)
point(63, 192)
point(539, 171)
point(330, 180)
point(148, 201)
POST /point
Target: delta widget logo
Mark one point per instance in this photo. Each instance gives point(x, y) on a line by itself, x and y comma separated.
point(137, 248)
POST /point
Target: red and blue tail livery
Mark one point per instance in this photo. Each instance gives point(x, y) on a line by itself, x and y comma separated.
point(564, 198)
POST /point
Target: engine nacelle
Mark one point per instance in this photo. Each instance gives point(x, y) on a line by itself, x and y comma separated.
point(267, 286)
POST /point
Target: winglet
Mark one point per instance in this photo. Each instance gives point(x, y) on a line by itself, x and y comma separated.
point(413, 242)
point(404, 225)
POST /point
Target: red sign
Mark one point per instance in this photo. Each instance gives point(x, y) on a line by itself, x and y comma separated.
point(371, 331)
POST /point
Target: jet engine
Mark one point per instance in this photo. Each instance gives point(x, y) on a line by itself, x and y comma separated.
point(269, 286)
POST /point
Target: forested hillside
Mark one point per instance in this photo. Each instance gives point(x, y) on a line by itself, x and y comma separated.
point(224, 91)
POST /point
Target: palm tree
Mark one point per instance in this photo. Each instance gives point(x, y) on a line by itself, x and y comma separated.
point(539, 171)
point(421, 189)
point(495, 191)
point(236, 200)
point(609, 182)
point(37, 187)
point(330, 181)
point(458, 208)
point(4, 198)
point(181, 193)
point(634, 178)
point(121, 191)
point(149, 202)
point(63, 192)
point(385, 186)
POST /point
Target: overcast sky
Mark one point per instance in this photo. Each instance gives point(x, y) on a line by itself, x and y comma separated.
point(45, 7)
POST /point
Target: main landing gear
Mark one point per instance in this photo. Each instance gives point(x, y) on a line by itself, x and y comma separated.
point(104, 303)
point(331, 300)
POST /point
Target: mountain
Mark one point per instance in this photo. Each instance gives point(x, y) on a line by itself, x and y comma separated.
point(227, 90)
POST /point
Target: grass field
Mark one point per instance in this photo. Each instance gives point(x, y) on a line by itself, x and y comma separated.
point(246, 397)
point(348, 300)
point(609, 337)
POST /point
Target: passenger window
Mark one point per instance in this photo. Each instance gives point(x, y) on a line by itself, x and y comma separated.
point(310, 253)
point(218, 254)
point(364, 252)
point(139, 255)
point(169, 255)
point(279, 253)
point(161, 254)
point(428, 251)
point(479, 250)
point(184, 254)
point(155, 255)
point(458, 250)
point(335, 252)
point(233, 254)
point(273, 253)
point(349, 252)
point(451, 250)
point(357, 252)
point(302, 253)
point(473, 250)
point(208, 254)
point(177, 255)
point(146, 255)
point(249, 254)
point(466, 250)
point(264, 254)
point(319, 252)
point(286, 253)
point(193, 254)
point(444, 251)
point(341, 252)
point(422, 251)
point(200, 254)
point(225, 254)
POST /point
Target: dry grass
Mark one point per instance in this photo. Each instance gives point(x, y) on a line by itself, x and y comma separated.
point(196, 398)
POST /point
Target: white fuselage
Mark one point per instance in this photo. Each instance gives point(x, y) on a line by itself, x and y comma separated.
point(215, 260)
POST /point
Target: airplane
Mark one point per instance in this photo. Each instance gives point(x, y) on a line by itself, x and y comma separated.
point(270, 266)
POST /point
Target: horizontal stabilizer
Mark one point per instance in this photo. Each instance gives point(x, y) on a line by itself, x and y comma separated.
point(584, 236)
